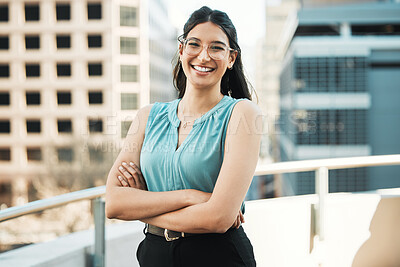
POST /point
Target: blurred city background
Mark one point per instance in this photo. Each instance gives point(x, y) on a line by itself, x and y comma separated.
point(73, 73)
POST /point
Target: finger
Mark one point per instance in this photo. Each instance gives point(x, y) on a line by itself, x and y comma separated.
point(137, 169)
point(139, 174)
point(241, 216)
point(238, 222)
point(132, 180)
point(122, 181)
point(127, 176)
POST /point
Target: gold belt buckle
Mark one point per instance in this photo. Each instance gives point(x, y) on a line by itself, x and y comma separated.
point(171, 238)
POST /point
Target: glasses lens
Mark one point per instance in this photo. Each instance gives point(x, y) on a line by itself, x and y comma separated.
point(193, 47)
point(217, 51)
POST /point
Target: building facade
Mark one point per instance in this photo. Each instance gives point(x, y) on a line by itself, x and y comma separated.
point(72, 76)
point(338, 83)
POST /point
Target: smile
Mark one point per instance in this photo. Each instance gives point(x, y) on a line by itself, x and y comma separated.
point(202, 69)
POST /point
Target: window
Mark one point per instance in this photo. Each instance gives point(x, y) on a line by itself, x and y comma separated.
point(32, 98)
point(129, 73)
point(95, 98)
point(63, 69)
point(128, 45)
point(125, 128)
point(65, 154)
point(63, 41)
point(375, 29)
point(129, 101)
point(33, 126)
point(4, 70)
point(32, 12)
point(33, 154)
point(32, 42)
point(5, 126)
point(331, 74)
point(3, 12)
point(64, 98)
point(128, 16)
point(63, 11)
point(64, 126)
point(32, 70)
point(4, 43)
point(95, 69)
point(5, 154)
point(96, 155)
point(4, 99)
point(332, 127)
point(94, 40)
point(95, 125)
point(94, 10)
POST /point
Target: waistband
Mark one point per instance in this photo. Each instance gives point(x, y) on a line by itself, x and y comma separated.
point(168, 234)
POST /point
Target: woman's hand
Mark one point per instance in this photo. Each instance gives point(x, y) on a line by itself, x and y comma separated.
point(239, 220)
point(131, 176)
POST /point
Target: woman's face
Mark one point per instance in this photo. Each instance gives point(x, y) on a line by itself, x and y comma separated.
point(201, 70)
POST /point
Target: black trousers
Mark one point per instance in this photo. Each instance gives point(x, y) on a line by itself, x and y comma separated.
point(231, 249)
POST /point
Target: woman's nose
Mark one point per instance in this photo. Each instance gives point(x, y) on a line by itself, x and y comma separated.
point(203, 55)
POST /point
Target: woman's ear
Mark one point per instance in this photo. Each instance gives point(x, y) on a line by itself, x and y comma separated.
point(180, 49)
point(232, 58)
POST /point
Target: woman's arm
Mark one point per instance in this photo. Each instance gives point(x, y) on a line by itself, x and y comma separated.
point(128, 203)
point(240, 159)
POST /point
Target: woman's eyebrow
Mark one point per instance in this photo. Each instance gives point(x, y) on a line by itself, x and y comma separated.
point(218, 42)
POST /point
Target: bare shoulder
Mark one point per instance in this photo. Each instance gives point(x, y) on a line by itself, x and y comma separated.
point(246, 108)
point(246, 116)
point(139, 122)
point(143, 112)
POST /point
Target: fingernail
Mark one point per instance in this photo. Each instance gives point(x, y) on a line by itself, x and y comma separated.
point(132, 163)
point(121, 168)
point(119, 177)
point(124, 163)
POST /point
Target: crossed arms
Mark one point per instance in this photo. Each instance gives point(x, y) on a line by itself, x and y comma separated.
point(190, 210)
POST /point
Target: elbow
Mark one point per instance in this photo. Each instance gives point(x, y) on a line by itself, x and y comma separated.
point(220, 223)
point(110, 210)
point(113, 209)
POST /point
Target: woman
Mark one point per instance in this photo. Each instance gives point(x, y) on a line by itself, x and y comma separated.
point(186, 165)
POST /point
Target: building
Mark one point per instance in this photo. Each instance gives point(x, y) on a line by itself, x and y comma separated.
point(72, 76)
point(338, 89)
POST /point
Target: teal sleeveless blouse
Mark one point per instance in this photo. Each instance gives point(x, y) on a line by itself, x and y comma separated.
point(197, 161)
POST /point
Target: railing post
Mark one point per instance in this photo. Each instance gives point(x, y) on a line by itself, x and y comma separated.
point(322, 190)
point(99, 232)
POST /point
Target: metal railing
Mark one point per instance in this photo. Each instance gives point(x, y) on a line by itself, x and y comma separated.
point(320, 166)
point(95, 194)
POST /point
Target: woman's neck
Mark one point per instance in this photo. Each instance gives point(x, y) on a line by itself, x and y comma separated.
point(198, 102)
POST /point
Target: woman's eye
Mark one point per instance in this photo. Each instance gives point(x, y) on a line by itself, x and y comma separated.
point(193, 44)
point(217, 48)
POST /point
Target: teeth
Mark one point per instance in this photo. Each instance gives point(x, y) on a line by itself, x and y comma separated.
point(202, 69)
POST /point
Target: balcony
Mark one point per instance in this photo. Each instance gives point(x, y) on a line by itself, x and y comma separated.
point(338, 229)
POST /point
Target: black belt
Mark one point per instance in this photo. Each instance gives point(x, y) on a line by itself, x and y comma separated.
point(168, 234)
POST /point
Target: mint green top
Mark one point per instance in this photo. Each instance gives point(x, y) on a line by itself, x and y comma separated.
point(197, 162)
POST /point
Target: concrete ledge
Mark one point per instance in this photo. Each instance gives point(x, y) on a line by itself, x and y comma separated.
point(75, 249)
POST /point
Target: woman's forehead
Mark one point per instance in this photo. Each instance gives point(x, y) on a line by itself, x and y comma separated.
point(208, 32)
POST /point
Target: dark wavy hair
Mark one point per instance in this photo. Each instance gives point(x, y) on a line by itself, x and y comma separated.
point(234, 82)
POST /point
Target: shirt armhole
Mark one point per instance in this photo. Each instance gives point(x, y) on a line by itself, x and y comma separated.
point(153, 112)
point(230, 110)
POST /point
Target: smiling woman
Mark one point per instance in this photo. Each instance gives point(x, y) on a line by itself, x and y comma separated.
point(186, 165)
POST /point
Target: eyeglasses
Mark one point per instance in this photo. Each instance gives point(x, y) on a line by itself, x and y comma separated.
point(216, 50)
